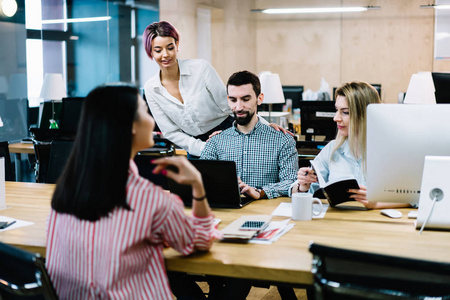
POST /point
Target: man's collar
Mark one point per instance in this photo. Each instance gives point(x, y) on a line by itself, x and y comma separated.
point(257, 126)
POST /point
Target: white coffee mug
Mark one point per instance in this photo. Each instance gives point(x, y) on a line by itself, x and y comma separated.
point(302, 206)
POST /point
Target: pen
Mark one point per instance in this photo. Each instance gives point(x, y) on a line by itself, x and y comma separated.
point(7, 225)
point(312, 170)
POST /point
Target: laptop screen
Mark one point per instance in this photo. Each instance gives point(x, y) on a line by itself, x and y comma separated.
point(220, 181)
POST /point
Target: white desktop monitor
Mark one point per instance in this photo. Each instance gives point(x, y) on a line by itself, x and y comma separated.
point(398, 138)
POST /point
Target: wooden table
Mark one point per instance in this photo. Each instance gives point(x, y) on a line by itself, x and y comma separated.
point(287, 260)
point(26, 148)
point(29, 202)
point(18, 149)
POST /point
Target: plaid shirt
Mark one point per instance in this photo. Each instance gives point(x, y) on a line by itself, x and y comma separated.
point(265, 158)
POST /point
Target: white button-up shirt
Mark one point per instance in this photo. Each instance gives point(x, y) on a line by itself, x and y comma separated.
point(205, 104)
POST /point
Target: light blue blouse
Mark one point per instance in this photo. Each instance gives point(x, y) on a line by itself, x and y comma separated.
point(343, 165)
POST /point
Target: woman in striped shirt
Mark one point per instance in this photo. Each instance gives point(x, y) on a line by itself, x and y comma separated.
point(108, 226)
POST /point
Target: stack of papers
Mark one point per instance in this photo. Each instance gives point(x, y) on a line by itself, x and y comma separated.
point(273, 232)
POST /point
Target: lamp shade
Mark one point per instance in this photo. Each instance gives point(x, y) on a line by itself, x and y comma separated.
point(421, 89)
point(271, 88)
point(53, 87)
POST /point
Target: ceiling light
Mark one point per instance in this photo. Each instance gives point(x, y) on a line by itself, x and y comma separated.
point(76, 20)
point(436, 6)
point(9, 7)
point(312, 10)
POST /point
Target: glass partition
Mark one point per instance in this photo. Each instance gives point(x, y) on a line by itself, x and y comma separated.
point(88, 42)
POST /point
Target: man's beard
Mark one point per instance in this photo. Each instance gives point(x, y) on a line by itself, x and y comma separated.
point(243, 120)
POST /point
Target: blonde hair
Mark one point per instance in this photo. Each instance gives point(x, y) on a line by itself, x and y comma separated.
point(358, 94)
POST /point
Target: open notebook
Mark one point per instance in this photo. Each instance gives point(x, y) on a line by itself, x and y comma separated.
point(220, 181)
point(336, 192)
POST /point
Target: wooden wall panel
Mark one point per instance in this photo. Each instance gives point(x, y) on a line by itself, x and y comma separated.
point(379, 46)
point(387, 46)
point(302, 52)
point(233, 32)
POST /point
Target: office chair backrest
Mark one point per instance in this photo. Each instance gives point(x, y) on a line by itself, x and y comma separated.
point(42, 152)
point(9, 170)
point(59, 155)
point(347, 274)
point(23, 275)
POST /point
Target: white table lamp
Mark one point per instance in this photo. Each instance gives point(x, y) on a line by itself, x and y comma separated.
point(53, 89)
point(272, 90)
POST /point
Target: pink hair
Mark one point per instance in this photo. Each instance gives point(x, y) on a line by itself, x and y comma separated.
point(155, 29)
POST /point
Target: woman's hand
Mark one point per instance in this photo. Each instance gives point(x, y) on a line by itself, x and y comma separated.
point(186, 174)
point(305, 177)
point(279, 128)
point(213, 134)
point(361, 196)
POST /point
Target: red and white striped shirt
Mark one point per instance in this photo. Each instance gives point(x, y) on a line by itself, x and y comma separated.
point(121, 256)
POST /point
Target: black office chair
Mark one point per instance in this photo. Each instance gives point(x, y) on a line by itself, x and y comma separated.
point(9, 170)
point(59, 155)
point(23, 275)
point(345, 274)
point(42, 153)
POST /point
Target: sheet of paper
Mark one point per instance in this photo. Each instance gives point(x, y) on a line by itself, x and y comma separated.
point(18, 224)
point(2, 183)
point(285, 210)
point(322, 182)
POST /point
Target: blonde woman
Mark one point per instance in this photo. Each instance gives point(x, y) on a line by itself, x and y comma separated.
point(345, 157)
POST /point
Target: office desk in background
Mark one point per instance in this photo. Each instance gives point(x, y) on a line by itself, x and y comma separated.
point(287, 260)
point(27, 148)
point(18, 149)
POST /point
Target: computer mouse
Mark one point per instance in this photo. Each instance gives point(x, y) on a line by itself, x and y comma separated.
point(391, 213)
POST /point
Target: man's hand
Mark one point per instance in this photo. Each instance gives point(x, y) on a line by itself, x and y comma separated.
point(248, 190)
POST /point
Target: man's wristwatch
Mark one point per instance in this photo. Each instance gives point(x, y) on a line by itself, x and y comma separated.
point(262, 194)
